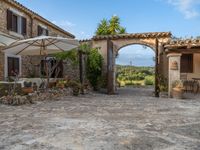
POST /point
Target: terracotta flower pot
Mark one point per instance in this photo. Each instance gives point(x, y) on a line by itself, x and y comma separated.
point(52, 84)
point(62, 86)
point(27, 90)
point(177, 93)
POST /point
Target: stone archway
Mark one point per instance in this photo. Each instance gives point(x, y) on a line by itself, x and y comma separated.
point(111, 44)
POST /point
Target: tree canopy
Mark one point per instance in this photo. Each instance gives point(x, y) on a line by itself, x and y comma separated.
point(110, 27)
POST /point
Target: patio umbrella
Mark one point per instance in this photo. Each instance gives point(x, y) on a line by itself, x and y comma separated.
point(41, 46)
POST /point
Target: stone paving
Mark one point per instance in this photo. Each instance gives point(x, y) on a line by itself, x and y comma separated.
point(131, 120)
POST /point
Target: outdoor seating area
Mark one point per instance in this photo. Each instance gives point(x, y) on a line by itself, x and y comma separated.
point(191, 86)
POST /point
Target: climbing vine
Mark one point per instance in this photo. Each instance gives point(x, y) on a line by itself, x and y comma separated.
point(94, 67)
point(71, 56)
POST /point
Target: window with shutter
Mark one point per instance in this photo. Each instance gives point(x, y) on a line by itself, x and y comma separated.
point(43, 67)
point(13, 66)
point(9, 19)
point(14, 23)
point(47, 32)
point(39, 30)
point(187, 63)
point(42, 31)
point(23, 26)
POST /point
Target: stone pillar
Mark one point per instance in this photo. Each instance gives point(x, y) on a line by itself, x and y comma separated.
point(174, 70)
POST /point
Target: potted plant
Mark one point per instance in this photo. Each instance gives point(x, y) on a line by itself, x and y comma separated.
point(177, 89)
point(76, 86)
point(61, 84)
point(27, 87)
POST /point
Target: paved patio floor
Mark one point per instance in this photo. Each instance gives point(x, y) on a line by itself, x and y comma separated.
point(132, 120)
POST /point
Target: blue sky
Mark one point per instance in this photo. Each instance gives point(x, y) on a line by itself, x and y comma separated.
point(80, 17)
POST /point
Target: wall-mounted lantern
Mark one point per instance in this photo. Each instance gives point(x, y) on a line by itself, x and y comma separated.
point(174, 65)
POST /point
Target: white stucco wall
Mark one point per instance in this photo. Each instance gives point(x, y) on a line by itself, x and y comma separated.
point(174, 75)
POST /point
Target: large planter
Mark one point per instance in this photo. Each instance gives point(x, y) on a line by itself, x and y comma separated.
point(27, 90)
point(61, 86)
point(177, 93)
point(52, 84)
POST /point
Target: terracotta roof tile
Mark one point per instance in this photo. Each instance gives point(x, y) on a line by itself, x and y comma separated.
point(133, 35)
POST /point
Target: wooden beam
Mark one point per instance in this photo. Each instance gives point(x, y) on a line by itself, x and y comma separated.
point(192, 50)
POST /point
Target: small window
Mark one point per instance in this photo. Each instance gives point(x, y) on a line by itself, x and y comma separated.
point(13, 66)
point(16, 23)
point(42, 31)
point(187, 63)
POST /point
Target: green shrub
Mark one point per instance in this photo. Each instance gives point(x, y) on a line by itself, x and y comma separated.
point(122, 84)
point(94, 67)
point(128, 82)
point(149, 80)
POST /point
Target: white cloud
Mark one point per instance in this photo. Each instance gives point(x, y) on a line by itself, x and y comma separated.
point(186, 7)
point(65, 24)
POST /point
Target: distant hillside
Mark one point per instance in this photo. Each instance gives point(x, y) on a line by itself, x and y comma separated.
point(132, 75)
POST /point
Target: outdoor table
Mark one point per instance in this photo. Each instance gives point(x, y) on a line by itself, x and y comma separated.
point(196, 79)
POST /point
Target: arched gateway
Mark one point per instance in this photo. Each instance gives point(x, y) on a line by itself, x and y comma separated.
point(111, 44)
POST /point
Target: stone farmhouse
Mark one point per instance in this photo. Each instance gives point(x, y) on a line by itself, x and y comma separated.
point(18, 22)
point(174, 59)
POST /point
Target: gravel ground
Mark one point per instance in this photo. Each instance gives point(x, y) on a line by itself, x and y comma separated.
point(131, 120)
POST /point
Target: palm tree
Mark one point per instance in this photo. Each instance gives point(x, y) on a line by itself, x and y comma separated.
point(110, 27)
point(114, 26)
point(122, 30)
point(103, 28)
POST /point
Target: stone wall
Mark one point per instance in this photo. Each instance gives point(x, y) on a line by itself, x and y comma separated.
point(31, 66)
point(71, 71)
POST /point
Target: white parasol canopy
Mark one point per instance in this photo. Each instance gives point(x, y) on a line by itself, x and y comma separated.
point(42, 45)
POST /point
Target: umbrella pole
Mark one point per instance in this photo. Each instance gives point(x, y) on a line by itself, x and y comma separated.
point(47, 65)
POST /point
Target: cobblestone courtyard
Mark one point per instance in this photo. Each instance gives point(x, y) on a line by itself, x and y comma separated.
point(132, 120)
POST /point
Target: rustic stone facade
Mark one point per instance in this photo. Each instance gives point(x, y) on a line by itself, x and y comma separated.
point(32, 20)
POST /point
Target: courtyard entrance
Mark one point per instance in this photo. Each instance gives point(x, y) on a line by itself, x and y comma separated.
point(135, 68)
point(110, 45)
